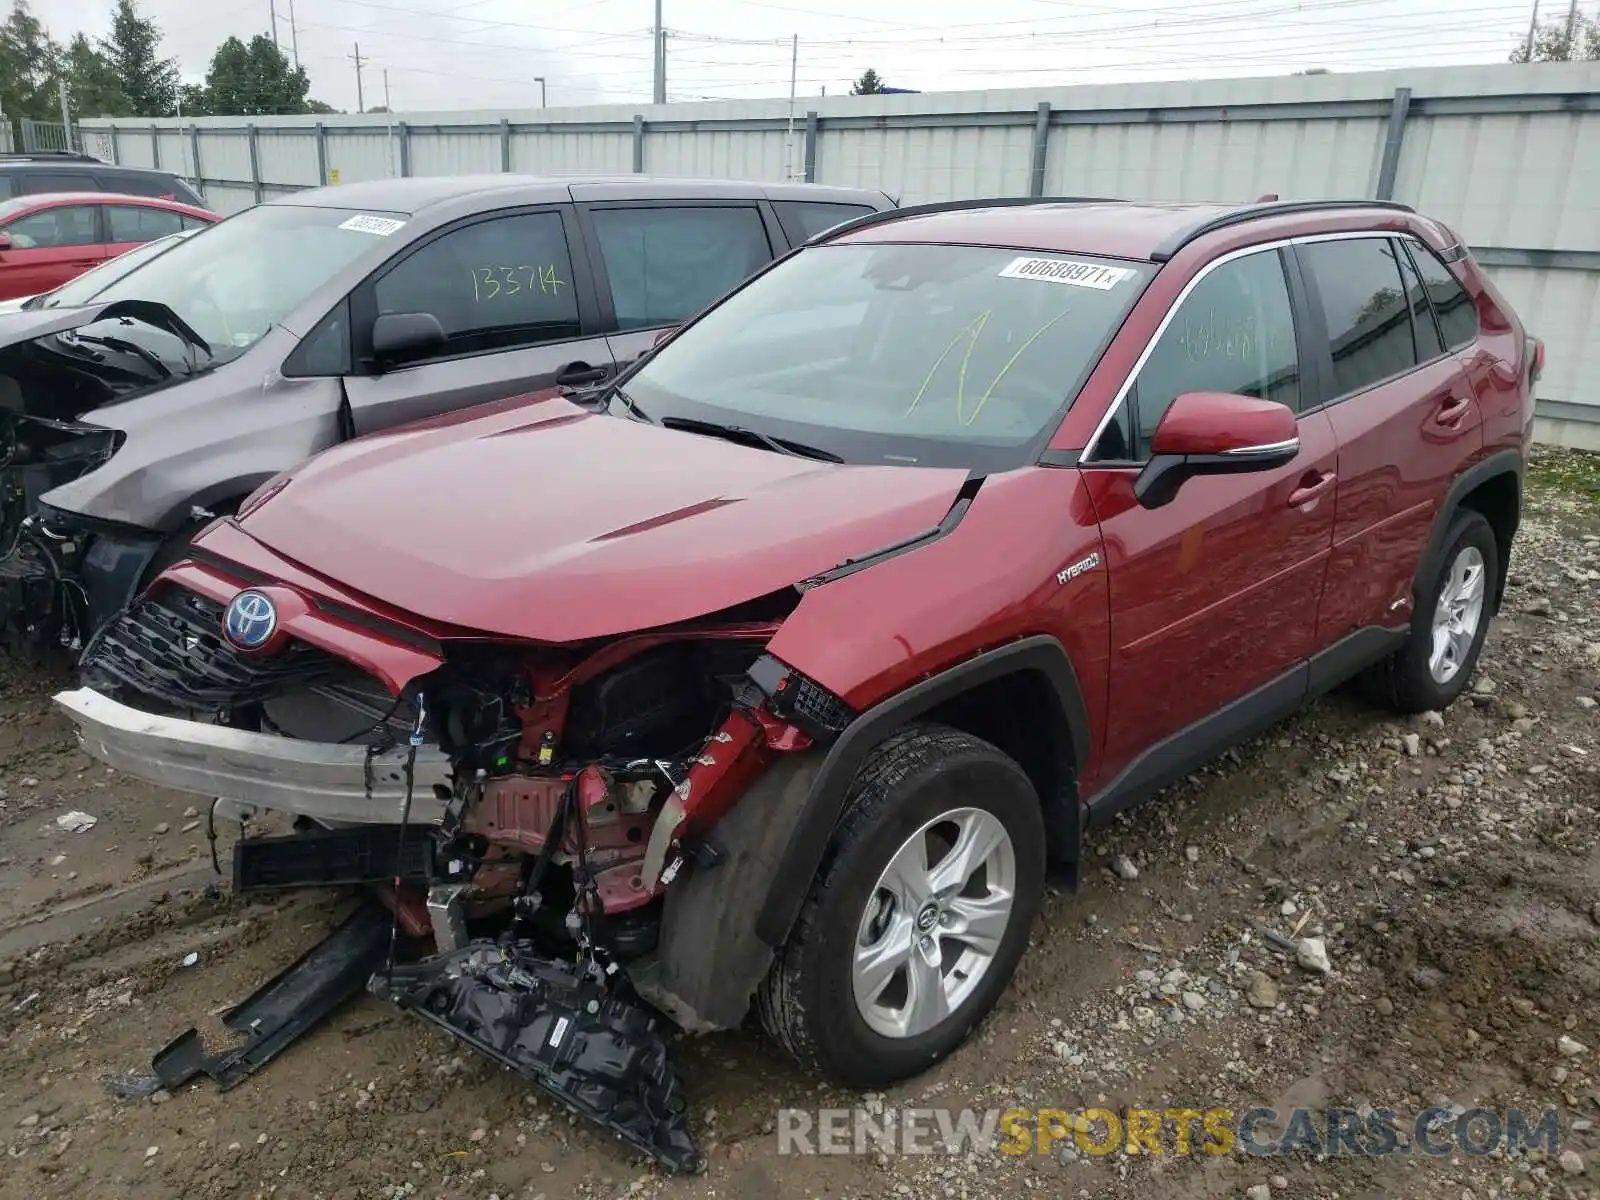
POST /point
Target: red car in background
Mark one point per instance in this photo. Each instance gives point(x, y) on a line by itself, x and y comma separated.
point(48, 239)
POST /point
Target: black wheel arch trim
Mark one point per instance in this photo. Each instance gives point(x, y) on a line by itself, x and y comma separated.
point(825, 802)
point(1501, 462)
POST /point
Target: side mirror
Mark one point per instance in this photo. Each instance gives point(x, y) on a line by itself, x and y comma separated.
point(1215, 433)
point(397, 334)
point(5, 241)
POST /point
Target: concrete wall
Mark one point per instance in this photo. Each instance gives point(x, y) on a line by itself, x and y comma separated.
point(1507, 155)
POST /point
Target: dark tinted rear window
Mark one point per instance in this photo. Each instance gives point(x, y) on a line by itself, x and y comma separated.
point(1363, 299)
point(145, 183)
point(35, 183)
point(804, 219)
point(1422, 322)
point(1458, 318)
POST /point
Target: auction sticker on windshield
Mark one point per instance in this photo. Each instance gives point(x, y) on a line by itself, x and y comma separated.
point(382, 226)
point(1065, 270)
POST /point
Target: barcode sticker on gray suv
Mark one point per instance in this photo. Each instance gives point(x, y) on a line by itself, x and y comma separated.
point(1065, 270)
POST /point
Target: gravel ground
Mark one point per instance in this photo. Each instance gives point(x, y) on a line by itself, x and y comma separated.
point(1450, 866)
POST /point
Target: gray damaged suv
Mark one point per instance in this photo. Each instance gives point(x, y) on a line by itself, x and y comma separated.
point(182, 387)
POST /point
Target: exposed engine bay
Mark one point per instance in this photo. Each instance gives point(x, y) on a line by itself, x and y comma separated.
point(585, 779)
point(48, 384)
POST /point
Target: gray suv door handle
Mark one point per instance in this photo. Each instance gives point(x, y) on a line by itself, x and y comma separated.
point(578, 374)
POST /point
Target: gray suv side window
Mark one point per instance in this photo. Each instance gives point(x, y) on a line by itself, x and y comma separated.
point(666, 264)
point(497, 284)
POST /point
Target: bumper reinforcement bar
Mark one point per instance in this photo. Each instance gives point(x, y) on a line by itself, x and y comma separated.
point(337, 784)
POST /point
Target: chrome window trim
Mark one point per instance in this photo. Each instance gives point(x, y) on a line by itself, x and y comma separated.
point(1345, 235)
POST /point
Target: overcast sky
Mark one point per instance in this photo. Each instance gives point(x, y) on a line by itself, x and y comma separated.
point(485, 53)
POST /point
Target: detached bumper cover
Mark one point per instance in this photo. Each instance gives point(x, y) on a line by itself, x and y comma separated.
point(333, 783)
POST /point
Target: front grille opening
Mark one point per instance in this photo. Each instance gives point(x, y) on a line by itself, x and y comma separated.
point(168, 646)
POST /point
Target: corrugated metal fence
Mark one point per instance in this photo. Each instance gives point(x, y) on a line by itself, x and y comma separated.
point(1509, 156)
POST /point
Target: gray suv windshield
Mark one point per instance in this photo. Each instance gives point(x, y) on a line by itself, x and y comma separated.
point(235, 281)
point(920, 354)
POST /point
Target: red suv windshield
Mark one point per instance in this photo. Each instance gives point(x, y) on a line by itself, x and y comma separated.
point(931, 355)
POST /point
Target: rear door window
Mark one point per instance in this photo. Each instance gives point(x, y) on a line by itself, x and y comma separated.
point(496, 284)
point(1458, 317)
point(54, 228)
point(802, 220)
point(665, 264)
point(1363, 300)
point(35, 183)
point(135, 223)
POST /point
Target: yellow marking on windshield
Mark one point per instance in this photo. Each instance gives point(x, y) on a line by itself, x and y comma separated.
point(1010, 362)
point(972, 332)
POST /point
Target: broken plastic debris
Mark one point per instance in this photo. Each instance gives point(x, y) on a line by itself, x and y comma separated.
point(191, 958)
point(132, 1086)
point(76, 822)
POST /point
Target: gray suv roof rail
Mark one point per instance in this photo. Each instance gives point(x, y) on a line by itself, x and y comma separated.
point(1271, 208)
point(939, 206)
point(50, 156)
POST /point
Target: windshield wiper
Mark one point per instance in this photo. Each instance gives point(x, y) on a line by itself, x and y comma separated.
point(736, 433)
point(125, 347)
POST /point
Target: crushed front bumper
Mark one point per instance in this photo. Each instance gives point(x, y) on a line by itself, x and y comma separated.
point(334, 784)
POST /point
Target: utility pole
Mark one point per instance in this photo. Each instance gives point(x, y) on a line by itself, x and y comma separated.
point(1572, 23)
point(66, 114)
point(539, 79)
point(386, 103)
point(361, 105)
point(661, 59)
point(794, 64)
point(272, 13)
point(1533, 23)
point(294, 36)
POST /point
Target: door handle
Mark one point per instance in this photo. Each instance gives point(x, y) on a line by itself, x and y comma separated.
point(1312, 485)
point(578, 374)
point(1453, 411)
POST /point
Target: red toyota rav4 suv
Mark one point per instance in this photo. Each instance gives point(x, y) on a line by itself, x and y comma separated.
point(780, 670)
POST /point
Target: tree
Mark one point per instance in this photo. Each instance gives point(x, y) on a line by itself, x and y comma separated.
point(30, 63)
point(1551, 42)
point(94, 88)
point(250, 81)
point(868, 85)
point(378, 108)
point(149, 82)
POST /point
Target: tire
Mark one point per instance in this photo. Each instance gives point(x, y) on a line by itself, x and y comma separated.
point(808, 1001)
point(1406, 681)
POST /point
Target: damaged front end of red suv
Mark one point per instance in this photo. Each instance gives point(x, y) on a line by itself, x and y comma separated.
point(527, 800)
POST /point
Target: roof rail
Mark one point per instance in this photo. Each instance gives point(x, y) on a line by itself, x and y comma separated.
point(939, 206)
point(26, 155)
point(1249, 212)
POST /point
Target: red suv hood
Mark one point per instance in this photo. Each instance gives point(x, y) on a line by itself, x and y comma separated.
point(542, 520)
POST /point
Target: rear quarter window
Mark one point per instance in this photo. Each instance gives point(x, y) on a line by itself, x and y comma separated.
point(1458, 316)
point(802, 220)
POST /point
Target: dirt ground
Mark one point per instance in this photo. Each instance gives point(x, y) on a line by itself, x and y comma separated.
point(1452, 866)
